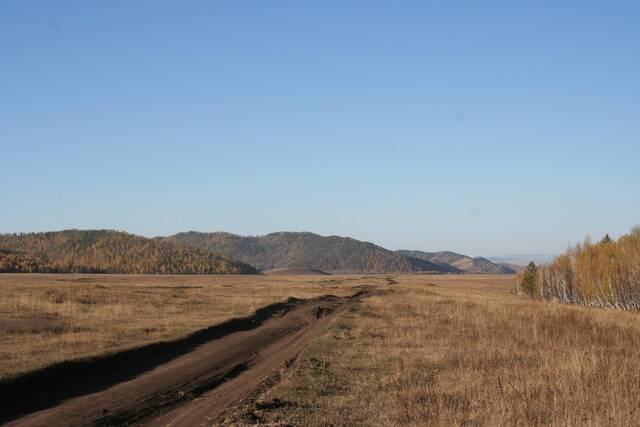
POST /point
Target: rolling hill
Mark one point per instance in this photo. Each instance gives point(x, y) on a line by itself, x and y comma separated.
point(464, 263)
point(106, 251)
point(332, 254)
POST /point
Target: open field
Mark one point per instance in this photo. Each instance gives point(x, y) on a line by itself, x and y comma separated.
point(46, 319)
point(191, 386)
point(461, 350)
point(413, 350)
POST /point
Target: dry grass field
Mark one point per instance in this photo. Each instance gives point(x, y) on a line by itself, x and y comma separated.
point(46, 319)
point(427, 350)
point(461, 350)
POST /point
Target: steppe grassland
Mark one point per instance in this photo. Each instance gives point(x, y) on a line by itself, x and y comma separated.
point(46, 319)
point(462, 350)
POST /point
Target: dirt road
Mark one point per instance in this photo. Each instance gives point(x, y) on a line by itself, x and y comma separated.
point(196, 387)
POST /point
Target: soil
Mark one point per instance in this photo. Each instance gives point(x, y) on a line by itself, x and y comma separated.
point(186, 383)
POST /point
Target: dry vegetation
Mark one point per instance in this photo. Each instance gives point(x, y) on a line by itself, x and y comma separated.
point(606, 274)
point(462, 350)
point(108, 251)
point(50, 318)
point(431, 350)
point(333, 254)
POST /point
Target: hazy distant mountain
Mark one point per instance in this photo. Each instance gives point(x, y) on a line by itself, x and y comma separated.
point(292, 249)
point(106, 251)
point(461, 262)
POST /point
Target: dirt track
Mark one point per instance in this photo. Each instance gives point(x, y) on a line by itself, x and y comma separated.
point(196, 387)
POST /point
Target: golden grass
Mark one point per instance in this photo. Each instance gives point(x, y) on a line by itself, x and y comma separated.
point(462, 350)
point(46, 319)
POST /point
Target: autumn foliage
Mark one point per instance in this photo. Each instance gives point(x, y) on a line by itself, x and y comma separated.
point(106, 251)
point(605, 274)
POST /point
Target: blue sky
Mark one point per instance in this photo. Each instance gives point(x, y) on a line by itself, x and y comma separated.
point(482, 127)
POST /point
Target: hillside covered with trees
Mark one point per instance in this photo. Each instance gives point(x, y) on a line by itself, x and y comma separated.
point(106, 251)
point(604, 274)
point(464, 263)
point(292, 249)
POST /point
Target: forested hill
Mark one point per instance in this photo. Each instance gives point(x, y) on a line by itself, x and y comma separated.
point(464, 263)
point(106, 251)
point(288, 249)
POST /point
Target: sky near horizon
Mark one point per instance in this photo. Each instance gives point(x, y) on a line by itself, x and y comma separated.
point(487, 128)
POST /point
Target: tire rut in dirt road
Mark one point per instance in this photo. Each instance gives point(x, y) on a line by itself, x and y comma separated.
point(55, 384)
point(194, 388)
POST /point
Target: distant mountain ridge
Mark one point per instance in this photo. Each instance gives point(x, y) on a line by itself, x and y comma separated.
point(107, 251)
point(332, 254)
point(463, 263)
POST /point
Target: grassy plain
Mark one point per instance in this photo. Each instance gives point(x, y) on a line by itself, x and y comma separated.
point(432, 350)
point(46, 319)
point(461, 350)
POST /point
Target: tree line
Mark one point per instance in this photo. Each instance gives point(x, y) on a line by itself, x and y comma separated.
point(603, 274)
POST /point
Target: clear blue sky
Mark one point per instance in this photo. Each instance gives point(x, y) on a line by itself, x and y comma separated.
point(482, 127)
